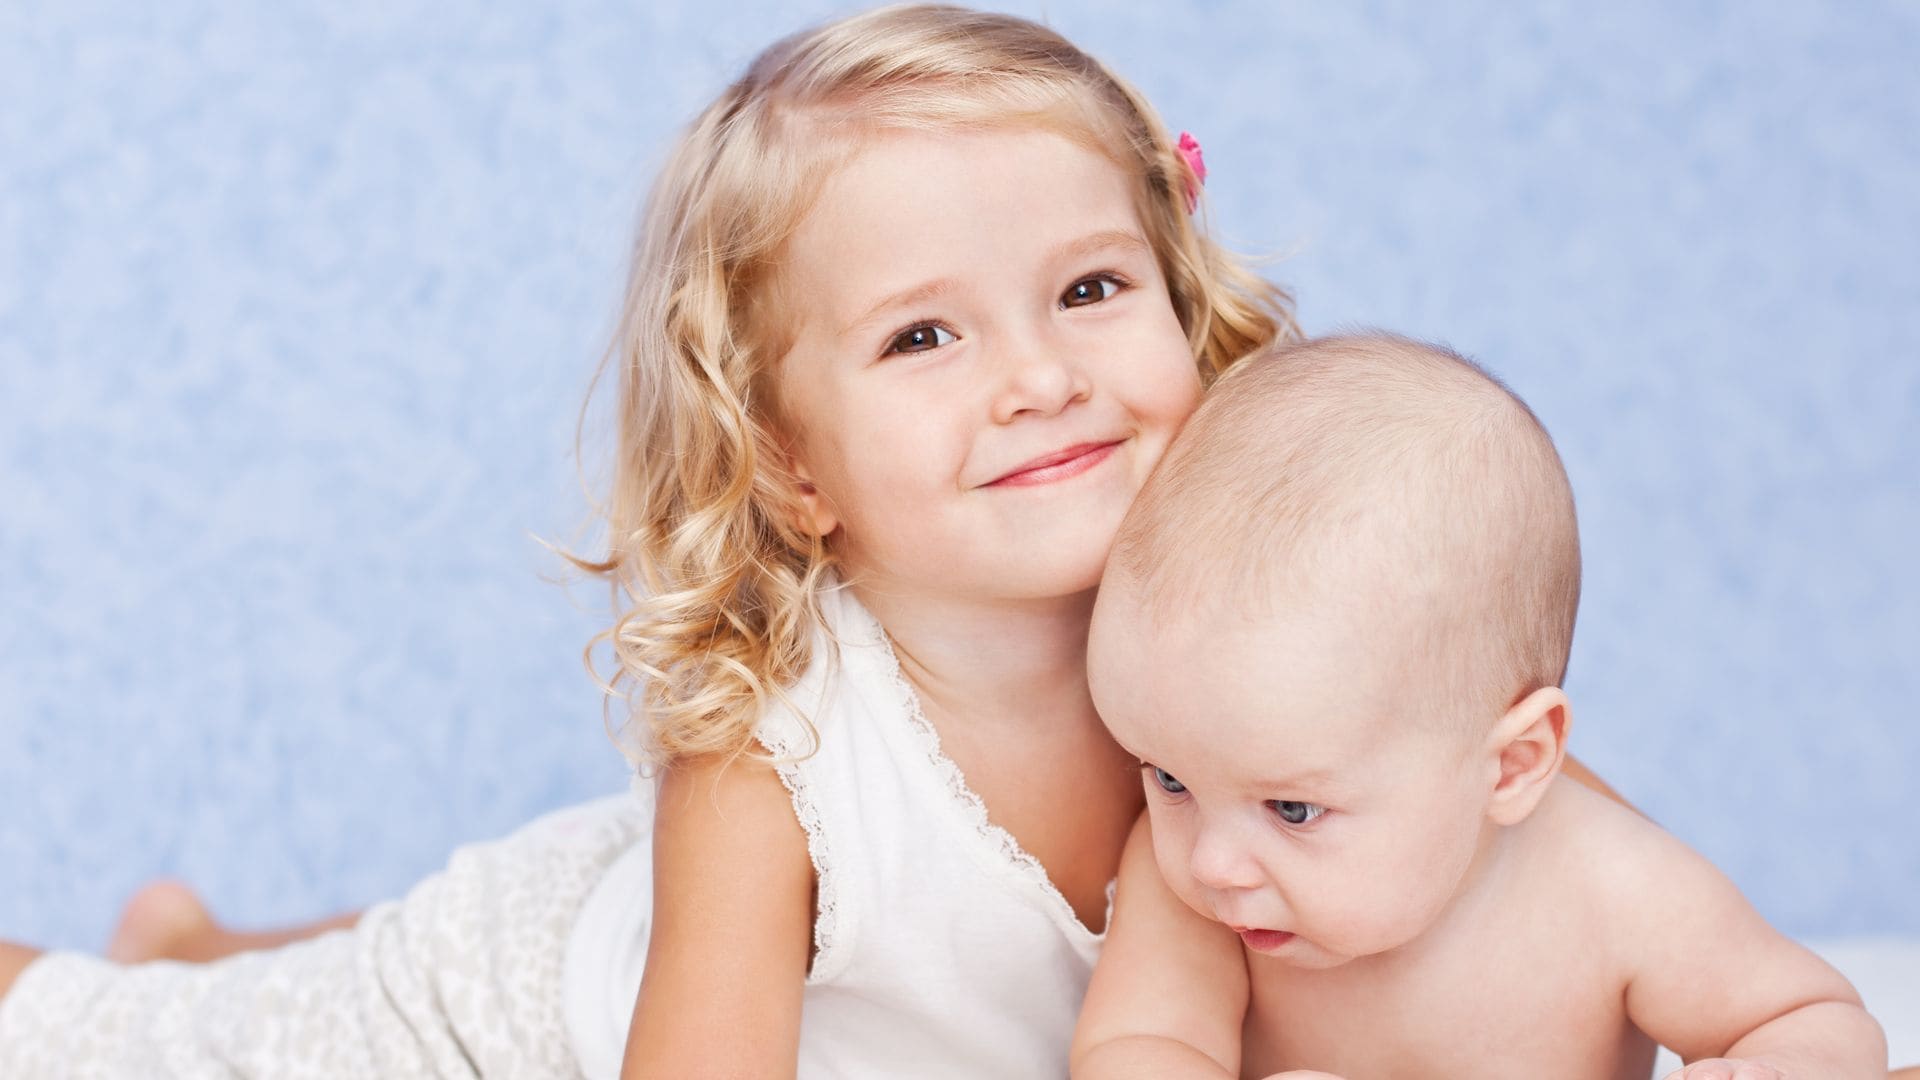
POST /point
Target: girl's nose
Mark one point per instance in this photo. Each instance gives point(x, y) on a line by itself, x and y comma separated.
point(1037, 380)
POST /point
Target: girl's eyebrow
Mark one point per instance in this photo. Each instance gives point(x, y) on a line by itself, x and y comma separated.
point(908, 297)
point(1104, 240)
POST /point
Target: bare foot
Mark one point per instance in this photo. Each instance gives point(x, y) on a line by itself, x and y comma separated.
point(165, 920)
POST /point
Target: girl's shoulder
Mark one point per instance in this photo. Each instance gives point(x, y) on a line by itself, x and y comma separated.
point(851, 687)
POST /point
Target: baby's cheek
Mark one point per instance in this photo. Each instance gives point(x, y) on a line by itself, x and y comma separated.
point(1172, 854)
point(1347, 907)
point(1388, 911)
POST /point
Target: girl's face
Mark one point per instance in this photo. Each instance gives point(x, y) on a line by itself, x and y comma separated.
point(985, 362)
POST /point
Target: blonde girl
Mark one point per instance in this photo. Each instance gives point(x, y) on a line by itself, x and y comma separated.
point(916, 306)
point(926, 306)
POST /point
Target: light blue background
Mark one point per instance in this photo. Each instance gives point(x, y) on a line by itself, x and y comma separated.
point(298, 303)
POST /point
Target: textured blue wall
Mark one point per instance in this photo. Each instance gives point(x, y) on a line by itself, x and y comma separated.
point(297, 308)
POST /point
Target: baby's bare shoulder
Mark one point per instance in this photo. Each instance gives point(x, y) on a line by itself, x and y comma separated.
point(1640, 883)
point(1606, 844)
point(1702, 971)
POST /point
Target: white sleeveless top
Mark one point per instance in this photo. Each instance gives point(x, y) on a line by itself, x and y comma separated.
point(941, 949)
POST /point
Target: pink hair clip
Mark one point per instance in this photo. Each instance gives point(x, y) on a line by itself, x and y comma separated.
point(1189, 151)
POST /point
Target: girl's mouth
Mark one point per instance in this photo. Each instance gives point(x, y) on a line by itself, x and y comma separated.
point(1056, 466)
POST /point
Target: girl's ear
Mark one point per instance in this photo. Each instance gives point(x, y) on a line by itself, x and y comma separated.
point(1529, 743)
point(815, 515)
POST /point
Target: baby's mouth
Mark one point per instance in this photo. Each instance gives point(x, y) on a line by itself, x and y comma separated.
point(1264, 941)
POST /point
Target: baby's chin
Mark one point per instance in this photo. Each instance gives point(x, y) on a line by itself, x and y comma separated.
point(1311, 952)
point(1304, 954)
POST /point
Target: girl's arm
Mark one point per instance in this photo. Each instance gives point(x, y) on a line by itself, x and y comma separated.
point(1169, 994)
point(732, 927)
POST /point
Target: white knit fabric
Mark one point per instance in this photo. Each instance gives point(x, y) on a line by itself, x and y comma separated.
point(942, 950)
point(461, 978)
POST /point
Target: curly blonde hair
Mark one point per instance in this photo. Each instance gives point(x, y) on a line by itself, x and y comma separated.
point(719, 587)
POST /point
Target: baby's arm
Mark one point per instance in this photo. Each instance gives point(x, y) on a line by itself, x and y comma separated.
point(732, 927)
point(1711, 980)
point(1169, 995)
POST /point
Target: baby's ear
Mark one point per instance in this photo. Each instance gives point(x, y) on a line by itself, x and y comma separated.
point(1529, 743)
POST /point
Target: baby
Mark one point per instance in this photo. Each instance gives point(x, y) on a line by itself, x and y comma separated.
point(1333, 630)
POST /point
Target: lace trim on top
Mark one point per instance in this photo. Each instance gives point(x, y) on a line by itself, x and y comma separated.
point(970, 804)
point(787, 761)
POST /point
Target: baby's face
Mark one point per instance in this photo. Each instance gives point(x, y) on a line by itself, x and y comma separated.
point(1296, 793)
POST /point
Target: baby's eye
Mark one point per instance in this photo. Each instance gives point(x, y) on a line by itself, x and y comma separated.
point(1166, 781)
point(1090, 291)
point(1295, 813)
point(920, 339)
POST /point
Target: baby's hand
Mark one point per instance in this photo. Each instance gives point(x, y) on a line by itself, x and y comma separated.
point(1727, 1069)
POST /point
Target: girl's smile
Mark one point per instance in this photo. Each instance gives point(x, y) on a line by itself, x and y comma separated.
point(1048, 468)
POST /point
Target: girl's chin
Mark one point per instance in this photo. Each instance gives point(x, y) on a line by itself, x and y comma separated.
point(1075, 578)
point(1053, 568)
point(1040, 584)
point(1077, 591)
point(1024, 584)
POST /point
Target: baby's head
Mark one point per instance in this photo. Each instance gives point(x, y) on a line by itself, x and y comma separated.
point(883, 284)
point(1333, 628)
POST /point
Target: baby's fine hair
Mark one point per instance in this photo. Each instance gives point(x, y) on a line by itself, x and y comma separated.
point(1382, 478)
point(716, 583)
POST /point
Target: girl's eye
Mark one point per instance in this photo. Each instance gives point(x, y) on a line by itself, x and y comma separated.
point(1089, 291)
point(920, 339)
point(1166, 781)
point(1295, 813)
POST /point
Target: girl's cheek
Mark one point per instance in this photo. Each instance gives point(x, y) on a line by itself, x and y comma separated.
point(1189, 403)
point(1183, 390)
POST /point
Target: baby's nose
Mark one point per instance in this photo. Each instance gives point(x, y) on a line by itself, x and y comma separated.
point(1219, 863)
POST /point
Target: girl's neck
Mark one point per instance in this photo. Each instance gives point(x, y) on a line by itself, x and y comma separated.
point(988, 661)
